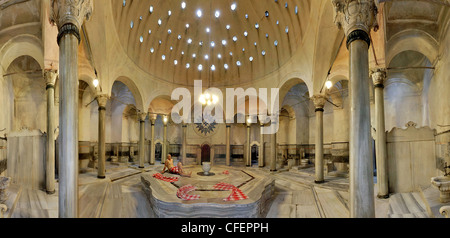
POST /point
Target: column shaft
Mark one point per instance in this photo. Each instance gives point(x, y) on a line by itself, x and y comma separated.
point(68, 122)
point(380, 140)
point(228, 146)
point(361, 161)
point(319, 146)
point(152, 143)
point(141, 143)
point(248, 150)
point(261, 149)
point(273, 152)
point(51, 126)
point(101, 173)
point(164, 146)
point(184, 147)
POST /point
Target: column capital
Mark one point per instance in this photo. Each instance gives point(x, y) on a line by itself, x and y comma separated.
point(152, 117)
point(102, 99)
point(50, 77)
point(70, 11)
point(69, 15)
point(248, 121)
point(142, 116)
point(319, 101)
point(379, 77)
point(166, 119)
point(351, 15)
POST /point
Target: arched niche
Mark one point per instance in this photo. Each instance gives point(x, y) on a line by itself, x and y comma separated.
point(406, 90)
point(24, 91)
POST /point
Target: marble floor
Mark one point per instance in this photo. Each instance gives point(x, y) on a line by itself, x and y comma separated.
point(296, 196)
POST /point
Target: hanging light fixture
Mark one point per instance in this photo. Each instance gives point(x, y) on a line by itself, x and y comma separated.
point(96, 82)
point(208, 99)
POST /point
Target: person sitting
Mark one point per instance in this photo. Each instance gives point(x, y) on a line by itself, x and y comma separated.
point(174, 169)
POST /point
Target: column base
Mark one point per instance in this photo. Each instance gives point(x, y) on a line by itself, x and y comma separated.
point(141, 167)
point(101, 177)
point(382, 196)
point(319, 182)
point(51, 192)
point(273, 170)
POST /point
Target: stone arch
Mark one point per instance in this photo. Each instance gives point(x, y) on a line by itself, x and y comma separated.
point(19, 46)
point(161, 104)
point(414, 40)
point(139, 102)
point(286, 87)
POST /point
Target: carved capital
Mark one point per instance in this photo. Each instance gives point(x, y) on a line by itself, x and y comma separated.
point(378, 77)
point(70, 12)
point(142, 116)
point(351, 15)
point(102, 100)
point(166, 119)
point(50, 77)
point(248, 121)
point(319, 101)
point(152, 118)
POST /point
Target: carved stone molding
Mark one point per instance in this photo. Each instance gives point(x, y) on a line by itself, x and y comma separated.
point(351, 15)
point(378, 77)
point(319, 101)
point(445, 211)
point(70, 12)
point(411, 124)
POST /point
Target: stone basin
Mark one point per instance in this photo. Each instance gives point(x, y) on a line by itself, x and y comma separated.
point(443, 184)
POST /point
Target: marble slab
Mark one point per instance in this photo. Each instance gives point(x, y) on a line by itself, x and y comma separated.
point(165, 203)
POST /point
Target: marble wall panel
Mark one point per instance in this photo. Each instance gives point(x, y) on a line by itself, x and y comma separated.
point(411, 158)
point(26, 158)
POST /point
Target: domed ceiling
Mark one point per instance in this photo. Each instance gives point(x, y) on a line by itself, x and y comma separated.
point(221, 42)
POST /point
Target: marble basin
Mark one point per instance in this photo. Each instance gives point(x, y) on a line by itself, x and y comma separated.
point(4, 184)
point(443, 184)
point(252, 182)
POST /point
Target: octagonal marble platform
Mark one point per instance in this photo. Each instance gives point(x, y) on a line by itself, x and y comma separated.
point(165, 203)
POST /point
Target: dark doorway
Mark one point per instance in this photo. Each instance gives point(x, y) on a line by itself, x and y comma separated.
point(206, 153)
point(255, 154)
point(158, 151)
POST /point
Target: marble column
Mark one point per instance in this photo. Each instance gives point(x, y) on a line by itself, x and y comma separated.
point(319, 104)
point(101, 100)
point(357, 17)
point(152, 118)
point(273, 151)
point(50, 77)
point(142, 117)
point(248, 150)
point(228, 146)
point(261, 147)
point(68, 16)
point(184, 145)
point(165, 144)
point(379, 77)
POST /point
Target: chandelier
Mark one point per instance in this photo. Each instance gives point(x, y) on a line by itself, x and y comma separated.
point(208, 99)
